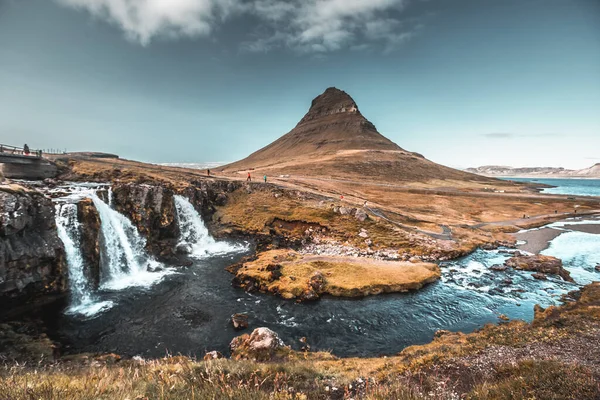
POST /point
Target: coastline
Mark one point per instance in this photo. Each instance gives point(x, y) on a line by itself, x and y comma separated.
point(539, 239)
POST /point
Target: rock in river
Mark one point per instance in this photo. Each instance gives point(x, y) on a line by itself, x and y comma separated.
point(541, 264)
point(239, 321)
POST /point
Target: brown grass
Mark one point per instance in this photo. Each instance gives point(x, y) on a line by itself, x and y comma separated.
point(343, 276)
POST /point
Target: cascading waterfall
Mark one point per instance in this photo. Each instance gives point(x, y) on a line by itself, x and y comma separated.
point(69, 231)
point(124, 261)
point(195, 238)
point(123, 256)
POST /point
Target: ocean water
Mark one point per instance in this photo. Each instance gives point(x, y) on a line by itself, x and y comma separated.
point(578, 187)
point(203, 165)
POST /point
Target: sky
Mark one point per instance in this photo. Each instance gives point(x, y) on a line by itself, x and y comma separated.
point(463, 82)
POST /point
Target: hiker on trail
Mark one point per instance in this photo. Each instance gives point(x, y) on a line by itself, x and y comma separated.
point(249, 178)
point(26, 150)
point(265, 178)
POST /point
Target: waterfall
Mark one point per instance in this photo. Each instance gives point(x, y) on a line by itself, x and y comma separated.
point(69, 231)
point(195, 238)
point(124, 259)
point(110, 197)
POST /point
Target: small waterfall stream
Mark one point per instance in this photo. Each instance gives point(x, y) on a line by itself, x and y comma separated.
point(195, 238)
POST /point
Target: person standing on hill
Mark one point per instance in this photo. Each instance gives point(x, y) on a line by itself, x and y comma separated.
point(207, 172)
point(265, 178)
point(249, 178)
point(26, 150)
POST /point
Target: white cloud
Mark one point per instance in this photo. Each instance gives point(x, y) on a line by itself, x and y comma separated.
point(303, 25)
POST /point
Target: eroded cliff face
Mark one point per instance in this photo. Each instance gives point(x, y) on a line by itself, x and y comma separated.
point(207, 195)
point(89, 220)
point(32, 258)
point(152, 211)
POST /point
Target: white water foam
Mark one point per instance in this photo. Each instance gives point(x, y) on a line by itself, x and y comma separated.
point(194, 235)
point(579, 252)
point(124, 259)
point(68, 227)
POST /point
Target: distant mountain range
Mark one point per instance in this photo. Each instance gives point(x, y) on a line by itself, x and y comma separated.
point(539, 172)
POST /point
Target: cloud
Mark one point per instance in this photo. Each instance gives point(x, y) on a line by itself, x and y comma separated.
point(311, 26)
point(504, 135)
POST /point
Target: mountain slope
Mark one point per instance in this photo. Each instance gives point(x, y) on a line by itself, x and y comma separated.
point(335, 140)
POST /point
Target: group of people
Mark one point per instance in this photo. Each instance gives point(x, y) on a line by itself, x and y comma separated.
point(249, 178)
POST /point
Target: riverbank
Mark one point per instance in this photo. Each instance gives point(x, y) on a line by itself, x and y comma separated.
point(557, 356)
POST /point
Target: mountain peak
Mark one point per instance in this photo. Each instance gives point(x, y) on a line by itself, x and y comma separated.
point(332, 124)
point(331, 101)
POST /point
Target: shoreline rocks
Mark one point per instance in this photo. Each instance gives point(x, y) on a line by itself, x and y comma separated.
point(239, 321)
point(542, 265)
point(262, 344)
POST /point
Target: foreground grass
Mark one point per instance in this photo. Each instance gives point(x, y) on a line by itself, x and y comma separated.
point(181, 378)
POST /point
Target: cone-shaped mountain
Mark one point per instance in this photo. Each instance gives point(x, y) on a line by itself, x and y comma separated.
point(334, 139)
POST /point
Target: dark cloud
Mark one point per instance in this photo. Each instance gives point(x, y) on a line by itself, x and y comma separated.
point(306, 26)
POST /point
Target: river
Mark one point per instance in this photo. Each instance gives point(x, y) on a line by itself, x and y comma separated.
point(187, 310)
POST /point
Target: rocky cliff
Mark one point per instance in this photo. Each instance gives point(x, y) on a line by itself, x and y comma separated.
point(32, 260)
point(89, 220)
point(152, 210)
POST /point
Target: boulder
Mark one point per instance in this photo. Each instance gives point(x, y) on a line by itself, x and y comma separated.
point(305, 346)
point(183, 248)
point(345, 210)
point(317, 281)
point(597, 268)
point(540, 276)
point(361, 215)
point(239, 321)
point(308, 295)
point(541, 264)
point(499, 267)
point(262, 345)
point(440, 333)
point(213, 355)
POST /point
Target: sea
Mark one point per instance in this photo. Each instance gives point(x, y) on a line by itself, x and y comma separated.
point(573, 186)
point(203, 165)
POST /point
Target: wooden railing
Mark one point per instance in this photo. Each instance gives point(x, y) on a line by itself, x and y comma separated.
point(20, 151)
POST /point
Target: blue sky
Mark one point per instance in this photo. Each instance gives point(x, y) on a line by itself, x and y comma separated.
point(464, 82)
